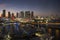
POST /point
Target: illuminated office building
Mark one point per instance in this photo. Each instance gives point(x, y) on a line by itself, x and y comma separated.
point(27, 14)
point(22, 14)
point(4, 12)
point(9, 15)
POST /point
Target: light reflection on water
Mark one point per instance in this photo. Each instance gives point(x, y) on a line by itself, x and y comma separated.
point(55, 32)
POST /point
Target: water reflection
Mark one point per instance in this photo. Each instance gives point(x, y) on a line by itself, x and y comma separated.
point(28, 31)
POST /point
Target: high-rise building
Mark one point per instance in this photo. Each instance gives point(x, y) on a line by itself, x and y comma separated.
point(9, 15)
point(17, 14)
point(22, 14)
point(13, 16)
point(32, 15)
point(4, 12)
point(27, 14)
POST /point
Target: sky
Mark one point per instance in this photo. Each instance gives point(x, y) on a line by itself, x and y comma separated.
point(40, 7)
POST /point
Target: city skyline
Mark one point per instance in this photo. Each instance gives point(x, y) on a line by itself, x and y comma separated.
point(40, 7)
point(21, 14)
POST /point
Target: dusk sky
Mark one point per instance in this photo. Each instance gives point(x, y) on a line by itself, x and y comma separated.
point(40, 7)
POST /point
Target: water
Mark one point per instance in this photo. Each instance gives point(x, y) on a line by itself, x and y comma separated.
point(51, 31)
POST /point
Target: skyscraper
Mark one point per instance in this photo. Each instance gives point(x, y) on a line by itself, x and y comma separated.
point(22, 14)
point(27, 14)
point(9, 15)
point(32, 15)
point(4, 12)
point(17, 14)
point(13, 16)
